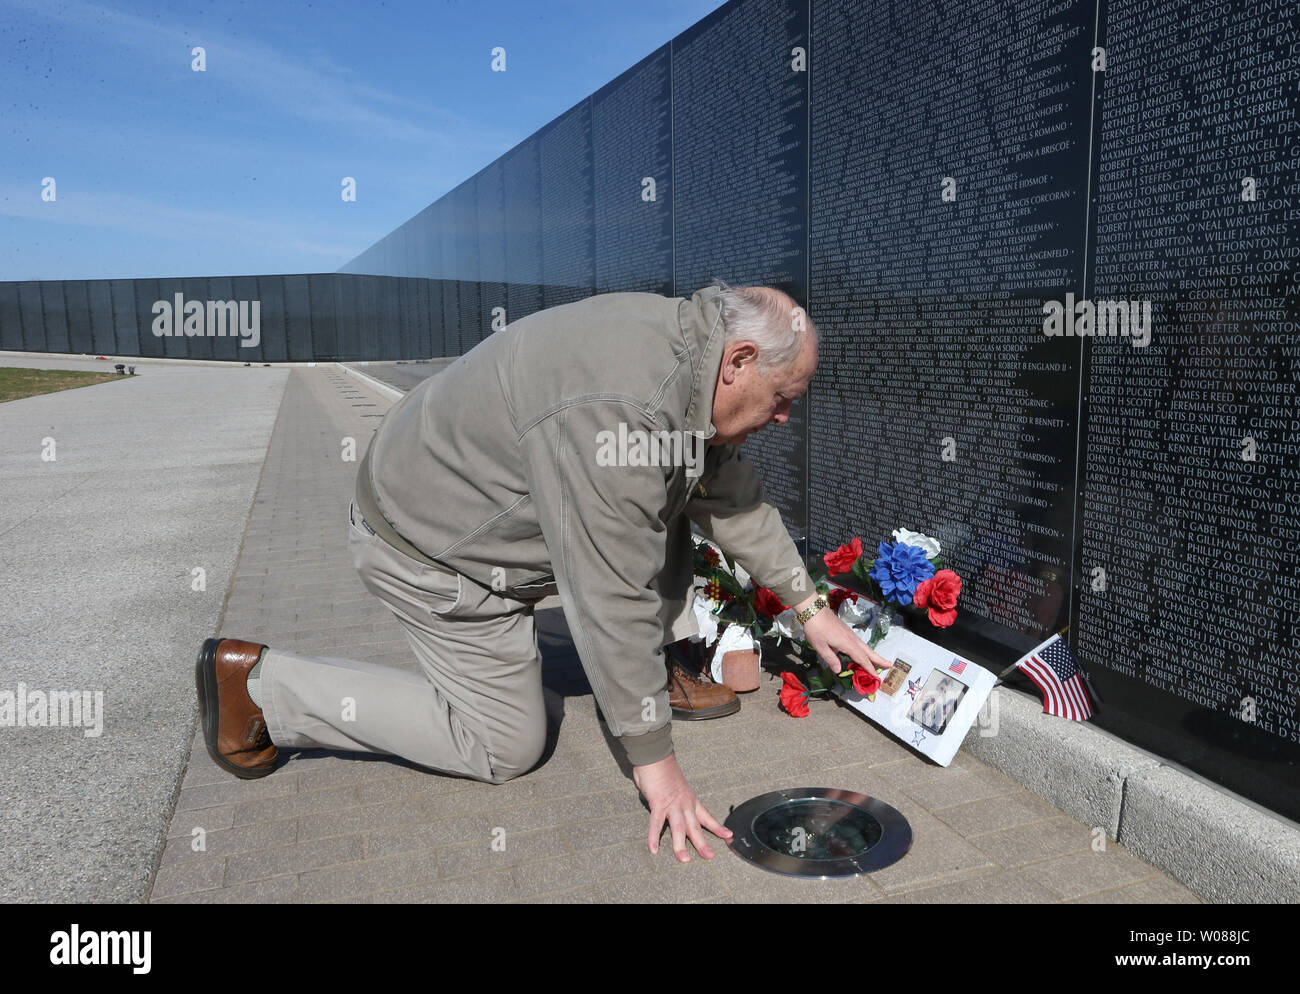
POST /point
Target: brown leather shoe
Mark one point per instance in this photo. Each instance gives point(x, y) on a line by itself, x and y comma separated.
point(692, 697)
point(234, 729)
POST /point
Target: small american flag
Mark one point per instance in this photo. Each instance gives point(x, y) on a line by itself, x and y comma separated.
point(1053, 668)
point(957, 666)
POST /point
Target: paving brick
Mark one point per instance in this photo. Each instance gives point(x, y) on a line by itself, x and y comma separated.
point(296, 805)
point(278, 784)
point(937, 852)
point(209, 819)
point(593, 866)
point(473, 829)
point(1154, 890)
point(369, 876)
point(347, 773)
point(269, 835)
point(600, 833)
point(1087, 872)
point(276, 890)
point(480, 888)
point(997, 813)
point(999, 887)
point(501, 850)
point(188, 877)
point(679, 883)
point(976, 785)
point(296, 858)
point(1030, 843)
point(581, 895)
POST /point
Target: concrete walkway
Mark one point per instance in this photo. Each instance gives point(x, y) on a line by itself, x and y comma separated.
point(150, 479)
point(339, 827)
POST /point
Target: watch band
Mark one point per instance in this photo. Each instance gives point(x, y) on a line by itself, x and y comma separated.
point(805, 616)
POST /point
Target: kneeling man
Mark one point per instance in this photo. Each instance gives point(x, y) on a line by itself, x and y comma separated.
point(568, 453)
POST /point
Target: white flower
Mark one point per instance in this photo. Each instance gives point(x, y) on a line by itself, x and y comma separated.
point(706, 619)
point(859, 613)
point(788, 625)
point(929, 545)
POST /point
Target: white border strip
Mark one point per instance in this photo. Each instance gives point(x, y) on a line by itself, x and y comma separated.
point(392, 393)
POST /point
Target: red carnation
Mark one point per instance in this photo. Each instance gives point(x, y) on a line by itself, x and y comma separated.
point(794, 696)
point(766, 602)
point(939, 595)
point(843, 558)
point(838, 596)
point(865, 682)
point(711, 555)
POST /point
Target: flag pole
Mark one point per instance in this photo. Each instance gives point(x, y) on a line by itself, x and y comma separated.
point(1010, 669)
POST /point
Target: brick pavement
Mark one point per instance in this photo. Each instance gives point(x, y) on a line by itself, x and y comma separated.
point(341, 827)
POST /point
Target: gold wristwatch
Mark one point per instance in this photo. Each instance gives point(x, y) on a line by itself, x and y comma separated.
point(805, 616)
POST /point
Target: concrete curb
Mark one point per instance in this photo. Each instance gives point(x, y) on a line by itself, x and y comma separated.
point(1213, 842)
point(392, 393)
point(148, 359)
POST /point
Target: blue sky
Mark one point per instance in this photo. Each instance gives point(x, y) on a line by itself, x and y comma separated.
point(163, 171)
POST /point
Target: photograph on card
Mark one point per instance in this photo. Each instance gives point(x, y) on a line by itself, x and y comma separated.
point(896, 676)
point(937, 702)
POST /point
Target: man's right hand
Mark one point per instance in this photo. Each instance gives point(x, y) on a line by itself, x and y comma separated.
point(671, 799)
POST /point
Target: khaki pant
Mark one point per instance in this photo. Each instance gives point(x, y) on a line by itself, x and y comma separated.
point(476, 711)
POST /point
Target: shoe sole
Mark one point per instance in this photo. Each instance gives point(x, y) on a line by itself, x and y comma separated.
point(205, 682)
point(721, 711)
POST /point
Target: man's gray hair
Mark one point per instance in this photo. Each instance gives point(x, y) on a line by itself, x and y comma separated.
point(769, 319)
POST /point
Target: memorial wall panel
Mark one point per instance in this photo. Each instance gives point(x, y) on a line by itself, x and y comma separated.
point(126, 330)
point(522, 179)
point(568, 208)
point(246, 288)
point(54, 312)
point(275, 321)
point(944, 213)
point(451, 317)
point(424, 320)
point(470, 314)
point(324, 317)
point(465, 208)
point(368, 316)
point(99, 298)
point(740, 186)
point(176, 345)
point(437, 343)
point(297, 318)
point(405, 299)
point(195, 289)
point(229, 347)
point(490, 197)
point(348, 324)
point(1189, 510)
point(77, 303)
point(632, 155)
point(146, 293)
point(11, 318)
point(33, 317)
point(389, 320)
point(425, 251)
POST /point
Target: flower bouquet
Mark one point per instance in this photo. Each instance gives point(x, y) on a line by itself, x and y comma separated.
point(724, 612)
point(906, 571)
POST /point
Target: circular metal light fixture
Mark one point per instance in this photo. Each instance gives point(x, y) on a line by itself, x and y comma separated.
point(819, 832)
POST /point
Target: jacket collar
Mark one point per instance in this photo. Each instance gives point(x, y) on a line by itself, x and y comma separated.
point(701, 320)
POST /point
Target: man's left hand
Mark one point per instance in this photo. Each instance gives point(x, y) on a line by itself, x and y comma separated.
point(827, 634)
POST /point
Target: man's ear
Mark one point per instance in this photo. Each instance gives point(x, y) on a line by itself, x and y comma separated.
point(737, 357)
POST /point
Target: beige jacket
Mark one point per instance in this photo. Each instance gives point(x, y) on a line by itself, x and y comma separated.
point(506, 467)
